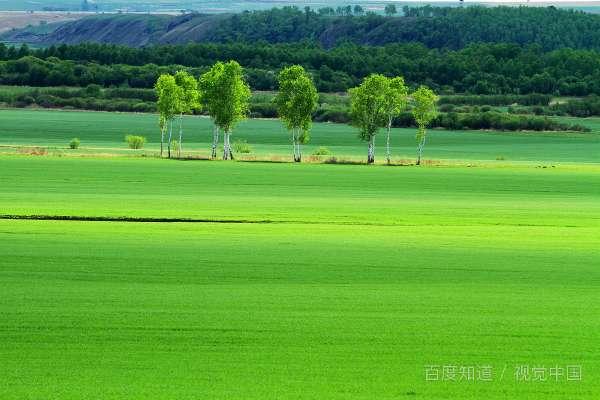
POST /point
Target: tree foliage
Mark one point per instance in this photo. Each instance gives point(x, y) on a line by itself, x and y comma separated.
point(296, 102)
point(395, 103)
point(170, 96)
point(233, 95)
point(424, 111)
point(226, 97)
point(487, 69)
point(190, 95)
point(368, 108)
point(170, 103)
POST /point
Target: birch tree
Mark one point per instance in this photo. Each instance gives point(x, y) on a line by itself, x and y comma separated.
point(162, 123)
point(296, 101)
point(231, 102)
point(169, 104)
point(368, 109)
point(424, 111)
point(208, 85)
point(396, 100)
point(190, 100)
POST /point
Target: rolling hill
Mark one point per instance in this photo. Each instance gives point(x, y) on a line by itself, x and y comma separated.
point(549, 28)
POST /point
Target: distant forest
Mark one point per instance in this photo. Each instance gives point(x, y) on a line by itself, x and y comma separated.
point(471, 50)
point(434, 27)
point(476, 69)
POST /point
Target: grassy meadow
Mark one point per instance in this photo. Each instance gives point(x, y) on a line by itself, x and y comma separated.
point(102, 132)
point(309, 281)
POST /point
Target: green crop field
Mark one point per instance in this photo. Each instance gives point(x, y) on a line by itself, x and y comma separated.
point(343, 281)
point(262, 280)
point(105, 132)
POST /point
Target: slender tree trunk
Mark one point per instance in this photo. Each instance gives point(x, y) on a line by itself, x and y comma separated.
point(294, 144)
point(420, 151)
point(389, 128)
point(226, 149)
point(299, 147)
point(215, 142)
point(180, 135)
point(170, 136)
point(371, 153)
point(162, 139)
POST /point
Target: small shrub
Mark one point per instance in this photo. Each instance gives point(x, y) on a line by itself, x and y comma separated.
point(321, 151)
point(135, 142)
point(93, 90)
point(242, 147)
point(74, 143)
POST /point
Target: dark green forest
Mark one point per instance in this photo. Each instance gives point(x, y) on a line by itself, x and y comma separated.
point(476, 69)
point(496, 68)
point(434, 27)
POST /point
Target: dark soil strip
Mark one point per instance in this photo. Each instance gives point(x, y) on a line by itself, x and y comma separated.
point(132, 219)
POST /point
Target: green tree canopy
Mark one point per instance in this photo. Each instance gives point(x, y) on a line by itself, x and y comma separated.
point(169, 96)
point(368, 109)
point(424, 111)
point(396, 101)
point(296, 101)
point(169, 103)
point(190, 93)
point(227, 99)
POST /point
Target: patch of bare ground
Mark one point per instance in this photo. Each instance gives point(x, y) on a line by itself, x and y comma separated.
point(20, 19)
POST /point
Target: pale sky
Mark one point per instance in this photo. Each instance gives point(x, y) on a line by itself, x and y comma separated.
point(549, 2)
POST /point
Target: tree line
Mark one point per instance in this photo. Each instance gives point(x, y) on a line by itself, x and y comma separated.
point(489, 69)
point(223, 93)
point(435, 27)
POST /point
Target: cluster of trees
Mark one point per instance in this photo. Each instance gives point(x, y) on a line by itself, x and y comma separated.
point(222, 91)
point(533, 99)
point(435, 27)
point(484, 69)
point(501, 121)
point(224, 94)
point(586, 107)
point(92, 97)
point(455, 112)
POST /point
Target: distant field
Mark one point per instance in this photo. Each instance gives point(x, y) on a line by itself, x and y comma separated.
point(105, 132)
point(345, 282)
point(200, 5)
point(11, 20)
point(240, 5)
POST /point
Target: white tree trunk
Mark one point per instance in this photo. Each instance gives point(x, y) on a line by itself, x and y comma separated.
point(215, 141)
point(388, 152)
point(371, 152)
point(162, 139)
point(170, 136)
point(180, 136)
point(226, 146)
point(420, 151)
point(294, 142)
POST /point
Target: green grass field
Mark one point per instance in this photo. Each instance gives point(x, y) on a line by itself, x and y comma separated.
point(309, 281)
point(355, 280)
point(105, 132)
